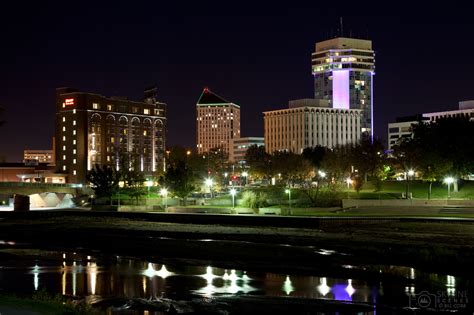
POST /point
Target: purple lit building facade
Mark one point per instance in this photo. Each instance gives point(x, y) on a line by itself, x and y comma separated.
point(343, 70)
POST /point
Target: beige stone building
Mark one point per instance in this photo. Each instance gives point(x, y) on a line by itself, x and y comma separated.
point(217, 122)
point(297, 128)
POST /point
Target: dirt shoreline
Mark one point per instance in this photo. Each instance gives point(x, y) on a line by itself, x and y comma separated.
point(433, 247)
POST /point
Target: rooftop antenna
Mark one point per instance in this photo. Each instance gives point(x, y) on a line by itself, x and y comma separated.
point(342, 27)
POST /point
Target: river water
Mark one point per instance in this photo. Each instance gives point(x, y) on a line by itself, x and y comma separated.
point(95, 277)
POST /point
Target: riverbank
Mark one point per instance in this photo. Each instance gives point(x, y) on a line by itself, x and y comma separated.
point(445, 247)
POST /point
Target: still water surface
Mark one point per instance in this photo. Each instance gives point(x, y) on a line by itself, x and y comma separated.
point(86, 276)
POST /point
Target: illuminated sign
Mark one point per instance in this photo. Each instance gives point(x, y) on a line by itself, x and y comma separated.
point(69, 101)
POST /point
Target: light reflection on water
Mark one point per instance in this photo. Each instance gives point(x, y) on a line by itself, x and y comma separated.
point(85, 277)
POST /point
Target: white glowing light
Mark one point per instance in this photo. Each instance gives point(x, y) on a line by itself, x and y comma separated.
point(162, 273)
point(350, 289)
point(287, 286)
point(323, 288)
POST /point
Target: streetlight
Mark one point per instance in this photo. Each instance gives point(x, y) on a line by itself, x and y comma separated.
point(244, 175)
point(209, 183)
point(288, 191)
point(408, 176)
point(349, 182)
point(449, 180)
point(164, 194)
point(233, 192)
point(148, 184)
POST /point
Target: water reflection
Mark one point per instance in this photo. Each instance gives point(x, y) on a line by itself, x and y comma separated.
point(151, 272)
point(287, 286)
point(36, 271)
point(323, 288)
point(77, 275)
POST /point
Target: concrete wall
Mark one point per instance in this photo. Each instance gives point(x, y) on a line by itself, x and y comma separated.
point(349, 203)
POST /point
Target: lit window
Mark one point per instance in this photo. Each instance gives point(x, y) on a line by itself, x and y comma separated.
point(64, 105)
point(146, 111)
point(73, 141)
point(64, 167)
point(108, 158)
point(64, 157)
point(74, 132)
point(74, 151)
point(74, 161)
point(74, 123)
point(74, 172)
point(64, 119)
point(95, 106)
point(64, 148)
point(64, 138)
point(74, 111)
point(64, 128)
point(144, 132)
point(109, 107)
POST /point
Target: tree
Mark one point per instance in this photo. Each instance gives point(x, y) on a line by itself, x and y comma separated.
point(315, 155)
point(259, 161)
point(104, 180)
point(294, 168)
point(179, 179)
point(368, 158)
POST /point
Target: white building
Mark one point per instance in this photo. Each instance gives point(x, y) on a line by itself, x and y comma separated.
point(402, 128)
point(239, 146)
point(297, 128)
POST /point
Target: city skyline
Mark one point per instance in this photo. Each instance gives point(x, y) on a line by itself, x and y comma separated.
point(183, 51)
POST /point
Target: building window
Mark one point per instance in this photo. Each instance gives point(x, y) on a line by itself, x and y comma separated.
point(64, 138)
point(144, 132)
point(95, 106)
point(64, 119)
point(64, 167)
point(134, 110)
point(74, 151)
point(64, 148)
point(74, 132)
point(74, 172)
point(64, 157)
point(74, 111)
point(74, 141)
point(74, 161)
point(110, 107)
point(73, 122)
point(64, 128)
point(146, 111)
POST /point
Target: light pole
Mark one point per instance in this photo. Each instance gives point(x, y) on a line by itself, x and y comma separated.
point(349, 182)
point(232, 193)
point(288, 191)
point(209, 183)
point(148, 183)
point(408, 175)
point(449, 180)
point(164, 194)
point(244, 175)
point(321, 175)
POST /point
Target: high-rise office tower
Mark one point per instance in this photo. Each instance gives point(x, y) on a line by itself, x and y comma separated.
point(217, 122)
point(343, 70)
point(93, 129)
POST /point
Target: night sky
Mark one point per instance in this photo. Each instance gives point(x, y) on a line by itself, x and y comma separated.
point(254, 54)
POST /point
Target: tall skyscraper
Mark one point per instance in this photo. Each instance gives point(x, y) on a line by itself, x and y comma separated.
point(93, 129)
point(217, 122)
point(343, 70)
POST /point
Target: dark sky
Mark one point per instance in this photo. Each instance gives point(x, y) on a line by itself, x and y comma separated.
point(255, 54)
